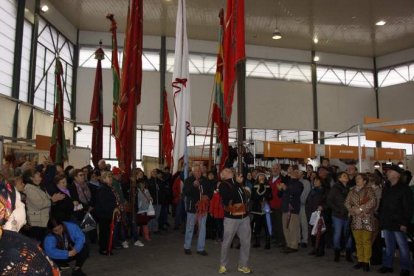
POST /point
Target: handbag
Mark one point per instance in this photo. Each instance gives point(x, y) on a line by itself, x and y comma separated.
point(88, 223)
point(151, 210)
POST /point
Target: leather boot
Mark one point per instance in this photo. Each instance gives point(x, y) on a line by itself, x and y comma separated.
point(337, 255)
point(257, 241)
point(145, 232)
point(267, 246)
point(349, 256)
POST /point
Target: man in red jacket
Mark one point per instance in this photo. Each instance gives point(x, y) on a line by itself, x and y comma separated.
point(276, 205)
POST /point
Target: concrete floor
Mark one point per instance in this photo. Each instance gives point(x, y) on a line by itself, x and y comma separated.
point(164, 256)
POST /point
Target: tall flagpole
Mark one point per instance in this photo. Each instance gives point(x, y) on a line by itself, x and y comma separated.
point(241, 114)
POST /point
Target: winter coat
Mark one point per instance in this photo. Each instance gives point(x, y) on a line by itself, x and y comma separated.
point(193, 194)
point(396, 207)
point(159, 190)
point(276, 201)
point(366, 200)
point(291, 196)
point(233, 193)
point(143, 201)
point(63, 209)
point(336, 201)
point(316, 198)
point(76, 236)
point(260, 195)
point(38, 205)
point(105, 202)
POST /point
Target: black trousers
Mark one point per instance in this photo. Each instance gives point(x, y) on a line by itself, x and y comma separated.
point(259, 222)
point(277, 226)
point(104, 232)
point(80, 258)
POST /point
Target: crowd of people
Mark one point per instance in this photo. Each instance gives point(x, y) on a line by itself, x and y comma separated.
point(363, 217)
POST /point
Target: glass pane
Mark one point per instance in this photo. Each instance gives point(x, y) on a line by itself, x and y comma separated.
point(150, 146)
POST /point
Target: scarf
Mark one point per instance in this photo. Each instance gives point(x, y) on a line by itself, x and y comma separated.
point(7, 202)
point(65, 191)
point(83, 192)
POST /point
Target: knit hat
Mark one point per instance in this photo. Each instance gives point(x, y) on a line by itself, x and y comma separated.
point(116, 171)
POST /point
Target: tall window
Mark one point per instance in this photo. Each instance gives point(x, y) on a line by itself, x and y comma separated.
point(8, 14)
point(51, 44)
point(25, 66)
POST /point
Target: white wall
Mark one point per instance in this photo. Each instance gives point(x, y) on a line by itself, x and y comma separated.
point(395, 58)
point(148, 111)
point(274, 104)
point(340, 107)
point(396, 101)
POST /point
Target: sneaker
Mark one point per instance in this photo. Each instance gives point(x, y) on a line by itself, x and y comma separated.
point(125, 244)
point(64, 266)
point(202, 253)
point(138, 243)
point(222, 269)
point(244, 270)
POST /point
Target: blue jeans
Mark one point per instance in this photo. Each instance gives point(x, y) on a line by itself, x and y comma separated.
point(341, 230)
point(391, 238)
point(180, 213)
point(153, 224)
point(189, 231)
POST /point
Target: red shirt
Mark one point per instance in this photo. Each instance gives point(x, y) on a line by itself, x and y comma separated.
point(276, 201)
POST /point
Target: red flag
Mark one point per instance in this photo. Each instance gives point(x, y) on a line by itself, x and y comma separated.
point(58, 151)
point(116, 84)
point(234, 50)
point(130, 95)
point(96, 117)
point(219, 115)
point(167, 142)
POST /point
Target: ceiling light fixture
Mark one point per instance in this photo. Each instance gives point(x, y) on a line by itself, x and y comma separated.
point(401, 165)
point(315, 40)
point(381, 23)
point(76, 129)
point(44, 8)
point(276, 34)
point(377, 165)
point(316, 58)
point(402, 130)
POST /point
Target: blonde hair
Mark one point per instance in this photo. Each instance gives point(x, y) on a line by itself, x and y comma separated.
point(106, 174)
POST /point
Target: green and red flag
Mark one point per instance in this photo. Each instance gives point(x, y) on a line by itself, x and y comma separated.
point(116, 84)
point(130, 95)
point(96, 116)
point(234, 49)
point(58, 151)
point(167, 142)
point(219, 114)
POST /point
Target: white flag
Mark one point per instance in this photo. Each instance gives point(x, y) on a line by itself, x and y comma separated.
point(181, 89)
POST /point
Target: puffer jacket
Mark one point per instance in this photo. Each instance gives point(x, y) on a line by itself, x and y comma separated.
point(336, 200)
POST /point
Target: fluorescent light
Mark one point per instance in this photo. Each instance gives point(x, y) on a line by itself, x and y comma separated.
point(276, 34)
point(401, 165)
point(315, 40)
point(381, 23)
point(402, 131)
point(44, 8)
point(377, 165)
point(316, 58)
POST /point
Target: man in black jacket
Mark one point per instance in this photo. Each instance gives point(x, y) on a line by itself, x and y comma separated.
point(290, 194)
point(236, 220)
point(196, 192)
point(395, 213)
